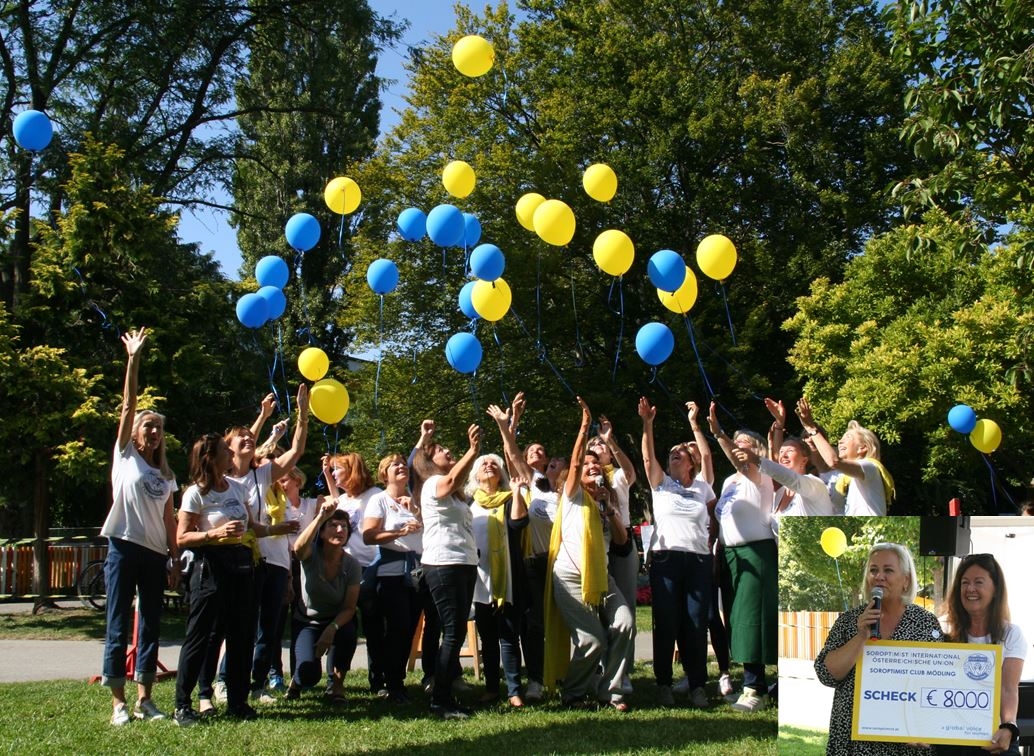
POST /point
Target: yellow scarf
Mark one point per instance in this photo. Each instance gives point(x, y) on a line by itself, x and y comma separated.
point(276, 504)
point(844, 482)
point(498, 544)
point(594, 586)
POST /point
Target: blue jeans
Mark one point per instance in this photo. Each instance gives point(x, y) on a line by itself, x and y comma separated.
point(270, 590)
point(308, 670)
point(499, 628)
point(681, 585)
point(452, 588)
point(130, 569)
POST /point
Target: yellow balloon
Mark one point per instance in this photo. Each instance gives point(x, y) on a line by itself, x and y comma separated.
point(986, 435)
point(600, 182)
point(613, 252)
point(473, 55)
point(833, 541)
point(554, 222)
point(683, 298)
point(716, 256)
point(458, 179)
point(328, 401)
point(491, 299)
point(526, 207)
point(342, 195)
point(313, 363)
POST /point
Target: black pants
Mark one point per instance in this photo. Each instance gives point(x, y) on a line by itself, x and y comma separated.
point(221, 593)
point(452, 588)
point(398, 604)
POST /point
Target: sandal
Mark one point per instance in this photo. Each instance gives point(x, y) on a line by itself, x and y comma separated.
point(516, 702)
point(620, 706)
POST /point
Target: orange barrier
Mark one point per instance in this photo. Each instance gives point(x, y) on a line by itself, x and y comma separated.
point(802, 634)
point(67, 559)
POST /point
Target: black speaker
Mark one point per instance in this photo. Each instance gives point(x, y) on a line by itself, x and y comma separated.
point(939, 536)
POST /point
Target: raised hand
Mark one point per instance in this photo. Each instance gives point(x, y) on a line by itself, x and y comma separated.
point(134, 341)
point(606, 429)
point(268, 404)
point(692, 412)
point(646, 411)
point(804, 412)
point(777, 410)
point(303, 402)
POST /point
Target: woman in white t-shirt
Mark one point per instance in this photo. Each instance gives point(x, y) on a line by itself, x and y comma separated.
point(978, 612)
point(141, 535)
point(680, 563)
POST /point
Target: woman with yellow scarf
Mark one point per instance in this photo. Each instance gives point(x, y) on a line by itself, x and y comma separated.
point(580, 594)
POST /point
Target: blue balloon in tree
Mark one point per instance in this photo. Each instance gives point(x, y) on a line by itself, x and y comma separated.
point(33, 130)
point(252, 311)
point(466, 303)
point(962, 418)
point(445, 226)
point(654, 343)
point(471, 230)
point(272, 271)
point(463, 351)
point(667, 270)
point(276, 302)
point(302, 232)
point(487, 262)
point(382, 276)
point(412, 224)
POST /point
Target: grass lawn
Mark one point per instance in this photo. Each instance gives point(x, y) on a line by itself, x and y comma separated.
point(801, 742)
point(72, 717)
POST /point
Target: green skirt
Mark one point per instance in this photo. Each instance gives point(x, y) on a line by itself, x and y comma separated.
point(755, 602)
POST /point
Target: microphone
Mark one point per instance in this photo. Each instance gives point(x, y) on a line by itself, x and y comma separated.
point(877, 598)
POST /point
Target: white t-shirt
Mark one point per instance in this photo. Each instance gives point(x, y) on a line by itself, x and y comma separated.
point(744, 511)
point(139, 493)
point(1014, 645)
point(216, 508)
point(830, 478)
point(619, 482)
point(811, 498)
point(541, 514)
point(257, 482)
point(364, 553)
point(865, 496)
point(302, 514)
point(393, 516)
point(448, 535)
point(572, 531)
point(680, 516)
point(479, 524)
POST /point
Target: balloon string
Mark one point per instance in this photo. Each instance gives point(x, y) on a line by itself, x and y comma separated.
point(307, 330)
point(841, 581)
point(580, 358)
point(656, 379)
point(995, 485)
point(728, 315)
point(474, 394)
point(538, 299)
point(380, 358)
point(621, 323)
point(502, 366)
point(543, 357)
point(412, 381)
point(341, 234)
point(733, 369)
point(278, 357)
point(700, 363)
point(106, 323)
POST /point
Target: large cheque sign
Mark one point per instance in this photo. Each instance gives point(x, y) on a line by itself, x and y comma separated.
point(909, 692)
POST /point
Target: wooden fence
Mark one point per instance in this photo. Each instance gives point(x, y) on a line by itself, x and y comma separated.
point(802, 634)
point(68, 556)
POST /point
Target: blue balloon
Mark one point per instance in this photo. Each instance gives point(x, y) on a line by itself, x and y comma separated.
point(382, 276)
point(412, 224)
point(302, 232)
point(252, 311)
point(276, 302)
point(445, 226)
point(463, 351)
point(654, 342)
point(471, 230)
point(33, 130)
point(487, 262)
point(466, 304)
point(272, 271)
point(962, 418)
point(667, 270)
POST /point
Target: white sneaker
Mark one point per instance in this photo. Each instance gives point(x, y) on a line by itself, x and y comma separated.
point(262, 697)
point(725, 685)
point(120, 715)
point(665, 696)
point(698, 699)
point(145, 709)
point(626, 685)
point(219, 692)
point(534, 691)
point(682, 686)
point(749, 701)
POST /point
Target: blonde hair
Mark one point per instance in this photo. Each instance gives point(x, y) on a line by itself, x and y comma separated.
point(908, 566)
point(758, 445)
point(867, 439)
point(159, 452)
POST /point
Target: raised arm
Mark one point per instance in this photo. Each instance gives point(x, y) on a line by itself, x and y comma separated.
point(654, 471)
point(607, 434)
point(745, 467)
point(134, 341)
point(515, 461)
point(778, 428)
point(265, 412)
point(455, 479)
point(823, 446)
point(574, 470)
point(706, 460)
point(303, 544)
point(286, 461)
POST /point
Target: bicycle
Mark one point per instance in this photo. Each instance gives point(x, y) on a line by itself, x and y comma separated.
point(90, 585)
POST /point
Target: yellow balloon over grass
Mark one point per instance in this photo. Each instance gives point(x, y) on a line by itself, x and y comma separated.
point(613, 252)
point(458, 178)
point(554, 222)
point(313, 363)
point(986, 435)
point(716, 256)
point(342, 195)
point(833, 541)
point(473, 56)
point(328, 401)
point(491, 299)
point(683, 298)
point(600, 182)
point(526, 207)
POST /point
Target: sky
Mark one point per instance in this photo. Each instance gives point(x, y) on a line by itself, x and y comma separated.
point(427, 18)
